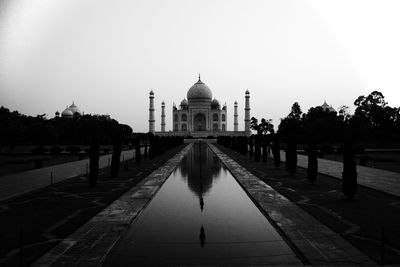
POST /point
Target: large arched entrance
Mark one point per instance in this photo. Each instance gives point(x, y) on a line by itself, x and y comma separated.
point(199, 122)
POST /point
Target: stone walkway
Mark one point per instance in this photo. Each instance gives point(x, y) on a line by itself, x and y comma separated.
point(382, 180)
point(310, 239)
point(19, 183)
point(315, 241)
point(92, 242)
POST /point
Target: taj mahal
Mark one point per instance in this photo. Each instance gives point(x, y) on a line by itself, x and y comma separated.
point(200, 115)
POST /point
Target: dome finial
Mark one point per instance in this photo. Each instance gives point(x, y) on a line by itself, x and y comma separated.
point(199, 76)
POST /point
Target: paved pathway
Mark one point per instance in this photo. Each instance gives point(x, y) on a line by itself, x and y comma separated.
point(23, 182)
point(382, 180)
point(90, 244)
point(316, 242)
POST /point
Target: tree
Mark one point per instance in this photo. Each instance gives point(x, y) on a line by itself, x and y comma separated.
point(372, 107)
point(349, 174)
point(265, 127)
point(344, 113)
point(295, 112)
point(262, 128)
point(292, 123)
point(94, 162)
point(291, 156)
point(116, 157)
point(138, 153)
point(312, 170)
point(276, 151)
point(324, 124)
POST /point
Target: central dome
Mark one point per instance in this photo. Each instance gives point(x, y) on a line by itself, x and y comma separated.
point(199, 91)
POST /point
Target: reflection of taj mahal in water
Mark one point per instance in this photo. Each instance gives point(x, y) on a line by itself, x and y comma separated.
point(199, 115)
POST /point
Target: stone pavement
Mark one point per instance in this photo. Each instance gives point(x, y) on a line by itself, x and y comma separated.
point(19, 183)
point(313, 240)
point(91, 243)
point(382, 180)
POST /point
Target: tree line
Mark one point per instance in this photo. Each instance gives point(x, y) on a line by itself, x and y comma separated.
point(373, 121)
point(19, 129)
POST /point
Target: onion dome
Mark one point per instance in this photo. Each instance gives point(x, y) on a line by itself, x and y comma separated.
point(215, 104)
point(74, 109)
point(326, 107)
point(67, 113)
point(57, 114)
point(247, 92)
point(199, 91)
point(184, 102)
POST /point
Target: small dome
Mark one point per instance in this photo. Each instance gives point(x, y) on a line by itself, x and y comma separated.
point(151, 92)
point(67, 113)
point(247, 92)
point(74, 109)
point(184, 102)
point(326, 107)
point(215, 102)
point(199, 91)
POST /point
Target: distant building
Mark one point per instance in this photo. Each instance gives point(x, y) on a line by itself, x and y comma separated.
point(70, 112)
point(200, 115)
point(327, 107)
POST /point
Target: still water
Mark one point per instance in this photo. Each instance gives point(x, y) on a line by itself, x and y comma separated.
point(201, 215)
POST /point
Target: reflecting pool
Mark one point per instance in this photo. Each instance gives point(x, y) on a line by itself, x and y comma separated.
point(201, 215)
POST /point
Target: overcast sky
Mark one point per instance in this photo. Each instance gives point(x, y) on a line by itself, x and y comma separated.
point(107, 55)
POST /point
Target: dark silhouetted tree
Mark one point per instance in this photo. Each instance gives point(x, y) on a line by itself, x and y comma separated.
point(276, 152)
point(312, 170)
point(349, 170)
point(94, 162)
point(251, 147)
point(291, 156)
point(292, 124)
point(116, 157)
point(264, 149)
point(257, 148)
point(138, 153)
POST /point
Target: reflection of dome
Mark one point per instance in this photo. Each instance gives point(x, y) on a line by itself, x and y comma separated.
point(184, 102)
point(199, 91)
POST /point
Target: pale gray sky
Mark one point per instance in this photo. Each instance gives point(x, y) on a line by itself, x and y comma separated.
point(107, 55)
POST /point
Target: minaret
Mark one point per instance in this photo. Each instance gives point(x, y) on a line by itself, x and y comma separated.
point(235, 118)
point(151, 113)
point(163, 116)
point(247, 114)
